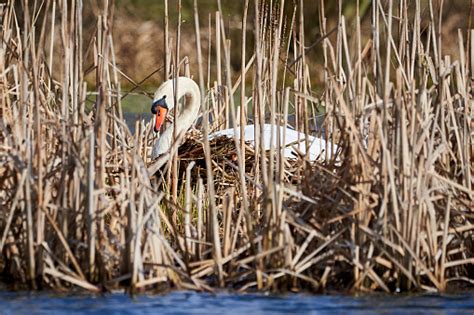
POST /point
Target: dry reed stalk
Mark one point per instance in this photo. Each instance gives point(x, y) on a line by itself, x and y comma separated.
point(187, 213)
point(174, 161)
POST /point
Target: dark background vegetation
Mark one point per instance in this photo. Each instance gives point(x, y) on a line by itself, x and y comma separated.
point(138, 29)
point(139, 37)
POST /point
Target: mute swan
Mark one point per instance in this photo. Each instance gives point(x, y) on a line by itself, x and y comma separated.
point(163, 102)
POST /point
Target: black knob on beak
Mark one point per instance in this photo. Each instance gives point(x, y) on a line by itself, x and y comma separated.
point(161, 102)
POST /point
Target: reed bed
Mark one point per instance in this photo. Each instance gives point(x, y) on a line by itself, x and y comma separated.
point(82, 204)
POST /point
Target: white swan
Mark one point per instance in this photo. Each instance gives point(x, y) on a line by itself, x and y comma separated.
point(163, 101)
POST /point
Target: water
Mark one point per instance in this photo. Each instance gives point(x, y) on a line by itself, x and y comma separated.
point(130, 119)
point(226, 303)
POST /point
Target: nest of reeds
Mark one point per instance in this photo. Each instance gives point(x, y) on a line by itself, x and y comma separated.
point(225, 161)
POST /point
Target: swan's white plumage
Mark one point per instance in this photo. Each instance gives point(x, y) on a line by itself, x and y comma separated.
point(289, 139)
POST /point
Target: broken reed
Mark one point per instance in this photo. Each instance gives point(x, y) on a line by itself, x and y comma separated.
point(393, 211)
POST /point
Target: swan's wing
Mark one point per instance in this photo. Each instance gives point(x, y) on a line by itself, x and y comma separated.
point(289, 139)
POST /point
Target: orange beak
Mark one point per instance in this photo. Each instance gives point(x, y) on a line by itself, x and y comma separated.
point(160, 118)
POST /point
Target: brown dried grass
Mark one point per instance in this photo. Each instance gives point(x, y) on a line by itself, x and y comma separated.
point(394, 210)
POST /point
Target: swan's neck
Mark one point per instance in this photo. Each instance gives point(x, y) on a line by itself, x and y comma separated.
point(186, 88)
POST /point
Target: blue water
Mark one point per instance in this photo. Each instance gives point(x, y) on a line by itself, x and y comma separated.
point(131, 118)
point(249, 304)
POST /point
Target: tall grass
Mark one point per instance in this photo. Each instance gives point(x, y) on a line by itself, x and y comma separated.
point(83, 205)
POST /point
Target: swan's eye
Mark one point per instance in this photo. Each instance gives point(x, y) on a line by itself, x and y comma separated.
point(154, 108)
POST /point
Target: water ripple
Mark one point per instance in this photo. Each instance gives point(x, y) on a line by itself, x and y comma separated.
point(228, 303)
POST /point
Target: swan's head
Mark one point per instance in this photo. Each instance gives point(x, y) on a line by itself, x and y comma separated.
point(164, 101)
point(160, 109)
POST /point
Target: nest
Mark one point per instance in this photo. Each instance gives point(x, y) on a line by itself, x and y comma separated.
point(225, 161)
